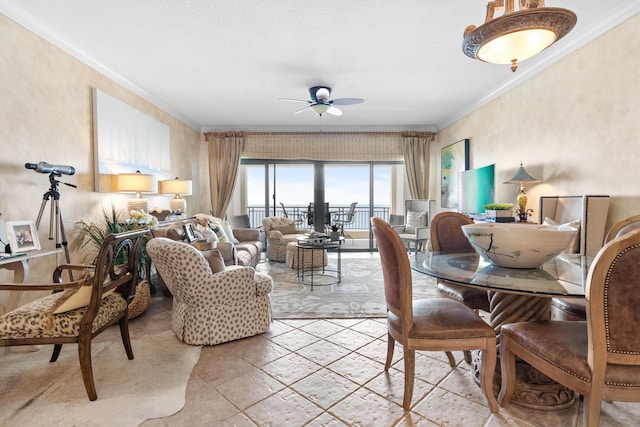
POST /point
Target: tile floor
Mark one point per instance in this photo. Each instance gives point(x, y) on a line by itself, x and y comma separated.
point(329, 372)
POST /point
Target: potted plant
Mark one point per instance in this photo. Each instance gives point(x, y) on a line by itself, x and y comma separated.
point(499, 212)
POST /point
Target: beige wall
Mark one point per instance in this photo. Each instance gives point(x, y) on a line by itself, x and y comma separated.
point(46, 115)
point(575, 126)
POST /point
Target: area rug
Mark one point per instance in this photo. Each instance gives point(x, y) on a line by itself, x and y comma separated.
point(34, 392)
point(359, 294)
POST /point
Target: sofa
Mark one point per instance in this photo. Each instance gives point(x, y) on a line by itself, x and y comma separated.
point(279, 231)
point(245, 249)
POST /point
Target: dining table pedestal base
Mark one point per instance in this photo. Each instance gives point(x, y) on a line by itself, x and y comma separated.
point(532, 389)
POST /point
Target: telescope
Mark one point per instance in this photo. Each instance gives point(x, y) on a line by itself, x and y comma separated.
point(44, 167)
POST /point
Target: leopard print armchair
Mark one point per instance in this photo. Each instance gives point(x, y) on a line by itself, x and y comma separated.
point(211, 308)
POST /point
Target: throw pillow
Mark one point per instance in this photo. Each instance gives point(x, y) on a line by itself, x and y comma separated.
point(289, 228)
point(574, 245)
point(414, 220)
point(77, 296)
point(229, 232)
point(217, 228)
point(214, 258)
point(175, 233)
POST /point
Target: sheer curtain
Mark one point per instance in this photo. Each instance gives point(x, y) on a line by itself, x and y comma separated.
point(415, 148)
point(225, 149)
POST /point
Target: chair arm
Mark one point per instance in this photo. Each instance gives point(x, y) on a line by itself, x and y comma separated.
point(57, 273)
point(399, 228)
point(422, 233)
point(229, 287)
point(246, 234)
point(37, 286)
point(264, 284)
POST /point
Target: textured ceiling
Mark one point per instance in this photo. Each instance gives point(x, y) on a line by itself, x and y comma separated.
point(221, 65)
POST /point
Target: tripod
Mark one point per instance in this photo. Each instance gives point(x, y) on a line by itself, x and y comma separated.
point(56, 226)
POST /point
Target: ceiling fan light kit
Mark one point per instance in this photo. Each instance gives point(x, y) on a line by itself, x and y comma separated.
point(516, 35)
point(320, 102)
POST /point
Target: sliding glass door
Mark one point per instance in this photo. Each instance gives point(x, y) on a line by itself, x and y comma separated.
point(276, 187)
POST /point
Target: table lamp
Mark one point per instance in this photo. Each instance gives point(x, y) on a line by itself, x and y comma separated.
point(179, 187)
point(137, 183)
point(520, 178)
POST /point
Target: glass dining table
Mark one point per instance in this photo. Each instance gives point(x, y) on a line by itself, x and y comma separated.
point(515, 295)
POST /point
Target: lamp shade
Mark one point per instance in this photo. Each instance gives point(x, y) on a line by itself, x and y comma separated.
point(521, 176)
point(137, 183)
point(176, 186)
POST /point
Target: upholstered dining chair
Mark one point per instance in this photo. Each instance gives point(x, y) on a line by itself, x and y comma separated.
point(83, 308)
point(598, 358)
point(436, 324)
point(575, 308)
point(446, 235)
point(211, 307)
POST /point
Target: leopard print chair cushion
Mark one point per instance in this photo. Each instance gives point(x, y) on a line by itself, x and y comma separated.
point(36, 320)
point(210, 308)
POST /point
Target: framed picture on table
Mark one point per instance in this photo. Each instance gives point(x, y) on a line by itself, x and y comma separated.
point(189, 234)
point(22, 236)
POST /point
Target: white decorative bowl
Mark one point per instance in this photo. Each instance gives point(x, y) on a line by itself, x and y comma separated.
point(516, 245)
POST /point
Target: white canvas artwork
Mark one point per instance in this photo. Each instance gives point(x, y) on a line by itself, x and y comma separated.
point(127, 140)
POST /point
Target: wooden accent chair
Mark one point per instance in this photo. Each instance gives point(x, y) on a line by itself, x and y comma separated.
point(100, 300)
point(598, 358)
point(436, 324)
point(446, 235)
point(575, 308)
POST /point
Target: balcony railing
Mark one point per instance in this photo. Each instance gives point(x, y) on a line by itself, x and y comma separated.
point(361, 217)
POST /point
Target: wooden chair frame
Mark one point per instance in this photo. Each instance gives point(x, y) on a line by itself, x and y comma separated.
point(109, 274)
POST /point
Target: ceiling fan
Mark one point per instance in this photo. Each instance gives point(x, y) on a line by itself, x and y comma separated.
point(320, 102)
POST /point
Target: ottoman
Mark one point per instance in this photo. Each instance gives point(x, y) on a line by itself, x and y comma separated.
point(318, 259)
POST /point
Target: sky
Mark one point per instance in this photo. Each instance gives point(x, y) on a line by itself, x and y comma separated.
point(344, 184)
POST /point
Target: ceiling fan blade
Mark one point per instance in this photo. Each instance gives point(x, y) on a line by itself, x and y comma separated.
point(347, 101)
point(302, 109)
point(293, 100)
point(334, 111)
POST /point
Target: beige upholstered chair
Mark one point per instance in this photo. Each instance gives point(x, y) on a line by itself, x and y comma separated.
point(589, 213)
point(87, 306)
point(211, 308)
point(575, 308)
point(436, 324)
point(279, 231)
point(598, 358)
point(415, 230)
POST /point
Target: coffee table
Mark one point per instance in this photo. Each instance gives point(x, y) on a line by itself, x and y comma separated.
point(318, 276)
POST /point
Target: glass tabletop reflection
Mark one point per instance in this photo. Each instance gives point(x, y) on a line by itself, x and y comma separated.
point(565, 275)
